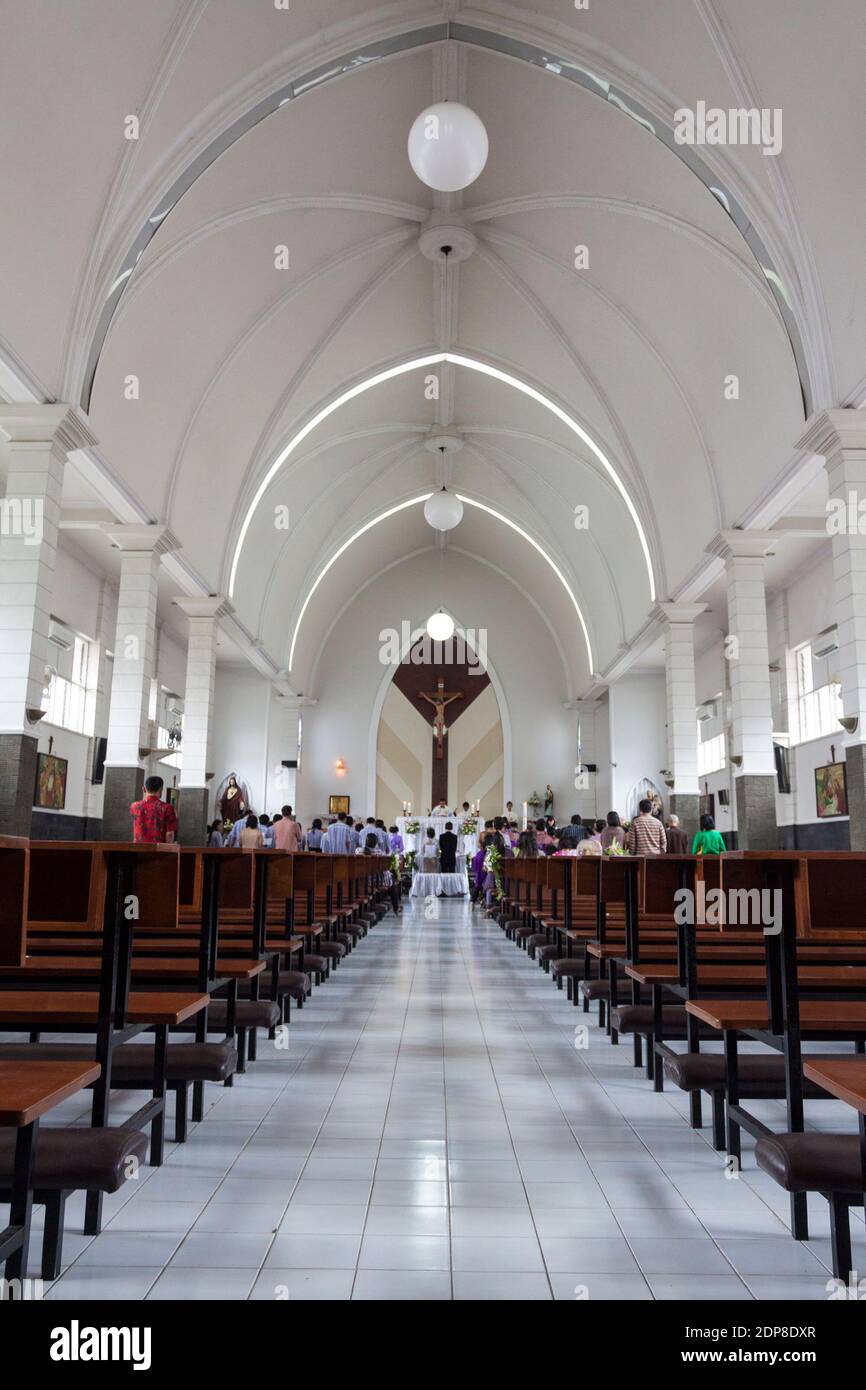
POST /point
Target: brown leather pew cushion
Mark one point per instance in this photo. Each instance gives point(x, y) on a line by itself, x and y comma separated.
point(812, 1162)
point(761, 1076)
point(333, 949)
point(314, 963)
point(249, 1013)
point(566, 966)
point(638, 1018)
point(96, 1160)
point(133, 1062)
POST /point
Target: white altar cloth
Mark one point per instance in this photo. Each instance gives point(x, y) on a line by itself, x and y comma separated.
point(439, 885)
point(466, 844)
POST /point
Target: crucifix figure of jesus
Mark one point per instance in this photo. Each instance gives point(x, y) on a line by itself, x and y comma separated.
point(440, 700)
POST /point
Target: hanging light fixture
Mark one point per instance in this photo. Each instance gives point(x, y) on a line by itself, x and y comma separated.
point(440, 626)
point(443, 510)
point(448, 146)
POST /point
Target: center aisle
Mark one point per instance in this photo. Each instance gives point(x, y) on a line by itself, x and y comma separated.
point(432, 1132)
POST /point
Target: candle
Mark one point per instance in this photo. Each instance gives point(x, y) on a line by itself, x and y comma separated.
point(525, 814)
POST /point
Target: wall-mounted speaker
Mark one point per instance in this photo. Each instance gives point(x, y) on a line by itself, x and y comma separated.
point(100, 749)
point(289, 762)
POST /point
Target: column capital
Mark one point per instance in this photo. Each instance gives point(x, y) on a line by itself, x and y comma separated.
point(207, 606)
point(678, 612)
point(743, 545)
point(43, 424)
point(830, 431)
point(142, 539)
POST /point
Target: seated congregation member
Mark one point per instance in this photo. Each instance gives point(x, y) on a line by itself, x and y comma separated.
point(476, 876)
point(708, 840)
point(678, 842)
point(215, 835)
point(313, 839)
point(429, 853)
point(647, 834)
point(154, 821)
point(613, 833)
point(590, 845)
point(571, 835)
point(543, 838)
point(448, 849)
point(371, 846)
point(251, 836)
point(287, 833)
point(527, 844)
point(339, 838)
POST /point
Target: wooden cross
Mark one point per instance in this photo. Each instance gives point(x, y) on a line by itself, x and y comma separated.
point(440, 700)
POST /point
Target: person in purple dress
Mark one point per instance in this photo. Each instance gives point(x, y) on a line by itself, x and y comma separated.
point(395, 840)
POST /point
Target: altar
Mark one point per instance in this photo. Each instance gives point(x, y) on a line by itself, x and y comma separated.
point(412, 840)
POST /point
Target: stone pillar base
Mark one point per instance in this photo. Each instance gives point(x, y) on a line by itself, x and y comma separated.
point(855, 776)
point(687, 807)
point(17, 783)
point(122, 786)
point(757, 827)
point(193, 815)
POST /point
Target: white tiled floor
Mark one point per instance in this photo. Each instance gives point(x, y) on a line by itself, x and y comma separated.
point(434, 1133)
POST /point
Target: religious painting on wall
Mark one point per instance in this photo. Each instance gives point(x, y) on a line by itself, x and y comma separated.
point(50, 793)
point(336, 804)
point(831, 791)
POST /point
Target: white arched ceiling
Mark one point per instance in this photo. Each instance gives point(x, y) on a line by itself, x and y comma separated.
point(234, 357)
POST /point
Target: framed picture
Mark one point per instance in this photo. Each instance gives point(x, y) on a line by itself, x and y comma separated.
point(174, 797)
point(50, 792)
point(336, 804)
point(831, 791)
point(707, 805)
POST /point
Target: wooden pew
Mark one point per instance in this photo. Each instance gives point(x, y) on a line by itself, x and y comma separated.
point(112, 1012)
point(26, 1094)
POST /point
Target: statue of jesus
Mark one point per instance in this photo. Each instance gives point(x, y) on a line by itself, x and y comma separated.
point(440, 702)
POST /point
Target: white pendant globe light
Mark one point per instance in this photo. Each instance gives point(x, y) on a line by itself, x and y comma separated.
point(443, 511)
point(440, 626)
point(448, 146)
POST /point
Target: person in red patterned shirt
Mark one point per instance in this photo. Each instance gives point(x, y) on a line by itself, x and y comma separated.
point(154, 821)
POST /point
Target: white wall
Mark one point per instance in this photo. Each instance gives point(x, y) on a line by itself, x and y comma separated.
point(521, 652)
point(638, 735)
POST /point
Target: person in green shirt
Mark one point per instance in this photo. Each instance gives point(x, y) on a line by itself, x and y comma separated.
point(708, 840)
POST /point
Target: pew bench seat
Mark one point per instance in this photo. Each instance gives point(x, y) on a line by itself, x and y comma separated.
point(812, 1162)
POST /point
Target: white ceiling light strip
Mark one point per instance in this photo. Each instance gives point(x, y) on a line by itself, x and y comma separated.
point(414, 502)
point(434, 359)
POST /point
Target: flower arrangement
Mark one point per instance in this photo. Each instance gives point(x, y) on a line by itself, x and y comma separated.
point(615, 850)
point(469, 826)
point(493, 865)
point(409, 861)
point(412, 827)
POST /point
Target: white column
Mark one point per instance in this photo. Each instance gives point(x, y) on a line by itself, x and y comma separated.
point(39, 439)
point(142, 548)
point(747, 651)
point(679, 620)
point(204, 616)
point(840, 436)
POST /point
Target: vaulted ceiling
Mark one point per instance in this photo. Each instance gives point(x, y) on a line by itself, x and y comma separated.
point(263, 128)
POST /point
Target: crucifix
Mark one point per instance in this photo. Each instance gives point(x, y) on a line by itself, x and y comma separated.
point(440, 700)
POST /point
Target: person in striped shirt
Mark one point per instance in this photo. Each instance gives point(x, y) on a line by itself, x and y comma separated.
point(338, 838)
point(647, 834)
